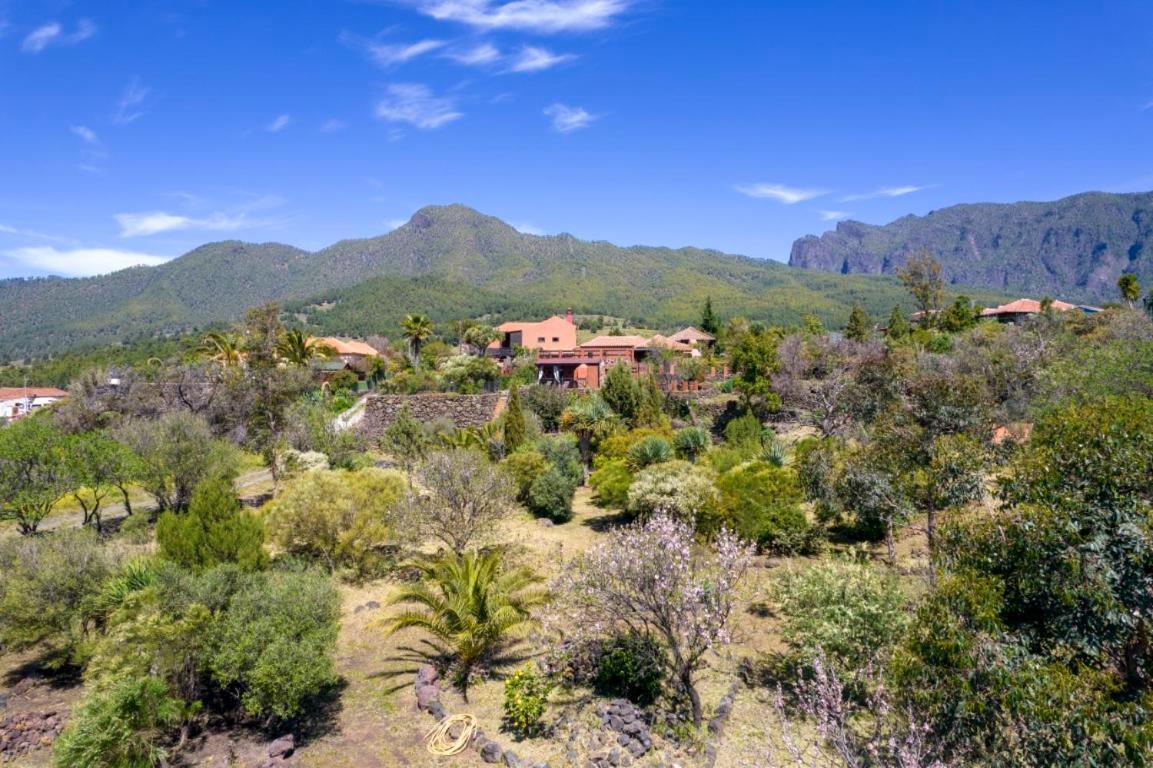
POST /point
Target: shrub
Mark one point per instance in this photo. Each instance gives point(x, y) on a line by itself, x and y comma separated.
point(466, 498)
point(548, 403)
point(744, 433)
point(610, 484)
point(722, 458)
point(343, 519)
point(617, 446)
point(762, 503)
point(850, 611)
point(215, 530)
point(691, 442)
point(677, 488)
point(124, 727)
point(631, 665)
point(275, 643)
point(551, 495)
point(44, 583)
point(525, 698)
point(649, 451)
point(563, 452)
point(524, 466)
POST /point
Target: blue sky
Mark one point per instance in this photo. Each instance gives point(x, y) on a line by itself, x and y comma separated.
point(130, 132)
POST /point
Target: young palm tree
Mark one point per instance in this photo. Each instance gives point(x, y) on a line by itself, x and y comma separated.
point(297, 349)
point(417, 329)
point(472, 605)
point(589, 418)
point(222, 347)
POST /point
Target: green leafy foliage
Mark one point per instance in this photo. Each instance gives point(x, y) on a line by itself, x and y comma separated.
point(677, 488)
point(691, 442)
point(610, 483)
point(525, 699)
point(762, 503)
point(524, 467)
point(631, 665)
point(342, 519)
point(647, 451)
point(35, 470)
point(215, 530)
point(514, 425)
point(551, 495)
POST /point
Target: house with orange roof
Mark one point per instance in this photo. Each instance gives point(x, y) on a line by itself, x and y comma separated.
point(694, 337)
point(16, 402)
point(585, 367)
point(1018, 310)
point(553, 333)
point(347, 350)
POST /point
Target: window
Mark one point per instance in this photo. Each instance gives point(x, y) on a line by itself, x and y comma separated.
point(540, 339)
point(556, 339)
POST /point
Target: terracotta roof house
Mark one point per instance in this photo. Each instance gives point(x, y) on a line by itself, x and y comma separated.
point(585, 366)
point(553, 333)
point(348, 350)
point(20, 401)
point(1023, 308)
point(694, 336)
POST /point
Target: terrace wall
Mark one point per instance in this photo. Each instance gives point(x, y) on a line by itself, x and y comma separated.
point(380, 411)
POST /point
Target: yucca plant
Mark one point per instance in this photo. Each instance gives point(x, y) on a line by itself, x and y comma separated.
point(774, 453)
point(472, 605)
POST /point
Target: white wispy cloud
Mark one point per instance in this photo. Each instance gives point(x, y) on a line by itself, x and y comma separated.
point(53, 33)
point(86, 134)
point(155, 222)
point(416, 105)
point(476, 56)
point(80, 262)
point(541, 16)
point(780, 193)
point(279, 124)
point(528, 229)
point(834, 215)
point(886, 192)
point(127, 106)
point(533, 59)
point(332, 126)
point(32, 234)
point(391, 54)
point(566, 119)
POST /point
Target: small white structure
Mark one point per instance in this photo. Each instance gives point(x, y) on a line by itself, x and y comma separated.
point(20, 401)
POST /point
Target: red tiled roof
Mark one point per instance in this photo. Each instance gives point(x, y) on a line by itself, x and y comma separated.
point(627, 342)
point(691, 334)
point(1025, 307)
point(18, 393)
point(667, 343)
point(351, 347)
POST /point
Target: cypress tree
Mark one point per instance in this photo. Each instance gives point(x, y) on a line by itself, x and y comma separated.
point(708, 320)
point(215, 530)
point(514, 426)
point(860, 325)
point(898, 325)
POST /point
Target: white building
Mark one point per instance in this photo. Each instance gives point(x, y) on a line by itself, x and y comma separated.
point(20, 401)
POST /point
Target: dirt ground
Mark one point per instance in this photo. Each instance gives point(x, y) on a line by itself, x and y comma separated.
point(373, 722)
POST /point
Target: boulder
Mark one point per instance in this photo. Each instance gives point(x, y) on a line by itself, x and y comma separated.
point(426, 695)
point(491, 752)
point(426, 675)
point(282, 747)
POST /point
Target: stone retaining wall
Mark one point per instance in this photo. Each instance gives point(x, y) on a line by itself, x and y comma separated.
point(380, 411)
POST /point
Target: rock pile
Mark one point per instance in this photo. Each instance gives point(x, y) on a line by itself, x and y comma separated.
point(23, 732)
point(634, 738)
point(380, 411)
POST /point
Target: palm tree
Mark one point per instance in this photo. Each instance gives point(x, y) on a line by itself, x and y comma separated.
point(589, 418)
point(417, 329)
point(297, 349)
point(223, 347)
point(1129, 288)
point(472, 605)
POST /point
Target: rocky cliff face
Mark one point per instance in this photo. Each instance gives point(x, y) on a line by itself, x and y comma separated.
point(1074, 248)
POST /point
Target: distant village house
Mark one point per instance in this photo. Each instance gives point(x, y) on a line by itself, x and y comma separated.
point(16, 402)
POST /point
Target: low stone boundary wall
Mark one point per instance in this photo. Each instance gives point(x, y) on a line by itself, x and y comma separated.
point(380, 411)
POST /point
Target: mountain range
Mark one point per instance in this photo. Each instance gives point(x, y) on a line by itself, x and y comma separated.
point(449, 262)
point(1074, 248)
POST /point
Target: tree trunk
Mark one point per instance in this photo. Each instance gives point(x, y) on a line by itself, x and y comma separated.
point(127, 501)
point(694, 697)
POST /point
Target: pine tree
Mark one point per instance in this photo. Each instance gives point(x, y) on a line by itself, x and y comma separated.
point(898, 325)
point(621, 392)
point(514, 426)
point(860, 325)
point(709, 322)
point(215, 530)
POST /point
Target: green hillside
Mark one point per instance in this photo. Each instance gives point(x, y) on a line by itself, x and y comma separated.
point(448, 262)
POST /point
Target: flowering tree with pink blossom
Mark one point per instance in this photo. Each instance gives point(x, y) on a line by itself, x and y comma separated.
point(652, 578)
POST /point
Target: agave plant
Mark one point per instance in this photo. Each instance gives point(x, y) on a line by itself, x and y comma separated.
point(774, 453)
point(472, 605)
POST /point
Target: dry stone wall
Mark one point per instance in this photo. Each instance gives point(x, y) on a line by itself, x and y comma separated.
point(380, 411)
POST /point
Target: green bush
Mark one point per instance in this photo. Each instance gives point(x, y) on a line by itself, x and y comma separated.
point(214, 530)
point(45, 581)
point(563, 452)
point(762, 503)
point(342, 519)
point(274, 643)
point(524, 467)
point(525, 699)
point(136, 528)
point(610, 484)
point(682, 490)
point(691, 442)
point(548, 403)
point(651, 450)
point(551, 495)
point(744, 434)
point(124, 727)
point(850, 611)
point(631, 665)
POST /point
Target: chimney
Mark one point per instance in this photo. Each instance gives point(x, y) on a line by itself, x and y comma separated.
point(568, 314)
